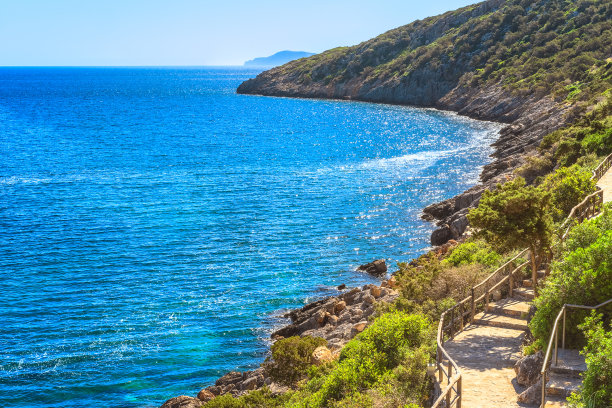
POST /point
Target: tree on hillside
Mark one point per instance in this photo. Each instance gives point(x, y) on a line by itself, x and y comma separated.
point(515, 216)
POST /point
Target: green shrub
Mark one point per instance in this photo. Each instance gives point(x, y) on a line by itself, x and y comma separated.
point(534, 166)
point(291, 358)
point(598, 142)
point(582, 276)
point(372, 359)
point(468, 253)
point(255, 399)
point(568, 187)
point(596, 389)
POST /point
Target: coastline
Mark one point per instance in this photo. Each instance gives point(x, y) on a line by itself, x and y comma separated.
point(337, 319)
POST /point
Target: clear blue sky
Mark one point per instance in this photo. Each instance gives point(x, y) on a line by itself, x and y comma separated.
point(192, 32)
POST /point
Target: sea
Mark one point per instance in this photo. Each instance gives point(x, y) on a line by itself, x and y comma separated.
point(155, 225)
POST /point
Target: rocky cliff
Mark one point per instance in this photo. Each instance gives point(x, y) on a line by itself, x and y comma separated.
point(530, 64)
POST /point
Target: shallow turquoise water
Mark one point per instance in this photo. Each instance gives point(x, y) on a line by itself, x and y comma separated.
point(154, 224)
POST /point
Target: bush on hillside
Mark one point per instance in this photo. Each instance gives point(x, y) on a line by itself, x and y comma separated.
point(394, 350)
point(255, 399)
point(473, 252)
point(291, 358)
point(568, 187)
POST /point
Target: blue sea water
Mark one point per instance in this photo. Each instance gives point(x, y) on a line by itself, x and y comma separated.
point(154, 224)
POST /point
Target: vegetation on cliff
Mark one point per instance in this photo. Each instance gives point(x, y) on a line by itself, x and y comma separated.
point(555, 47)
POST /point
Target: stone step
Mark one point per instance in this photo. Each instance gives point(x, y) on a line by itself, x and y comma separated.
point(562, 385)
point(510, 307)
point(569, 362)
point(555, 401)
point(497, 320)
point(527, 282)
point(524, 293)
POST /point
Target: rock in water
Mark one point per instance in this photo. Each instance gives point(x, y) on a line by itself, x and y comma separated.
point(376, 268)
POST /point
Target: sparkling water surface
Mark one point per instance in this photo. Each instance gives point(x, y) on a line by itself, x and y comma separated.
point(154, 224)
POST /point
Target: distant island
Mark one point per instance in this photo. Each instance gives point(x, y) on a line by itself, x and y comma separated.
point(277, 59)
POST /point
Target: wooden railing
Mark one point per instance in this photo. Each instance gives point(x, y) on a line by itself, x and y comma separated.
point(603, 167)
point(589, 207)
point(454, 320)
point(554, 337)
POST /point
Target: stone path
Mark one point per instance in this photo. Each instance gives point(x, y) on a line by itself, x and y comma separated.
point(486, 352)
point(605, 183)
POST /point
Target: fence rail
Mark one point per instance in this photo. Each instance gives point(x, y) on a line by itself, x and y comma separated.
point(454, 320)
point(450, 395)
point(603, 167)
point(554, 337)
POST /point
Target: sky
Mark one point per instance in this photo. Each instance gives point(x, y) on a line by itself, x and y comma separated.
point(192, 32)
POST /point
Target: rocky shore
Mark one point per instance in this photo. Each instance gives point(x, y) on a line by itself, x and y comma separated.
point(336, 319)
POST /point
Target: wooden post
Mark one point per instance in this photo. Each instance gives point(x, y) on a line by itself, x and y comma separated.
point(510, 282)
point(459, 393)
point(452, 322)
point(450, 375)
point(439, 358)
point(473, 307)
point(563, 338)
point(461, 315)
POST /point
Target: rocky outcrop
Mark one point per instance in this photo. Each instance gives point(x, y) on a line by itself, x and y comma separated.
point(337, 319)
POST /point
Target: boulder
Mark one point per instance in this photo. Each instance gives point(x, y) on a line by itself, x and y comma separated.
point(369, 299)
point(205, 395)
point(375, 292)
point(341, 287)
point(376, 268)
point(358, 328)
point(441, 236)
point(528, 368)
point(350, 296)
point(214, 390)
point(182, 401)
point(250, 383)
point(533, 394)
point(321, 355)
point(340, 306)
point(230, 378)
point(458, 226)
